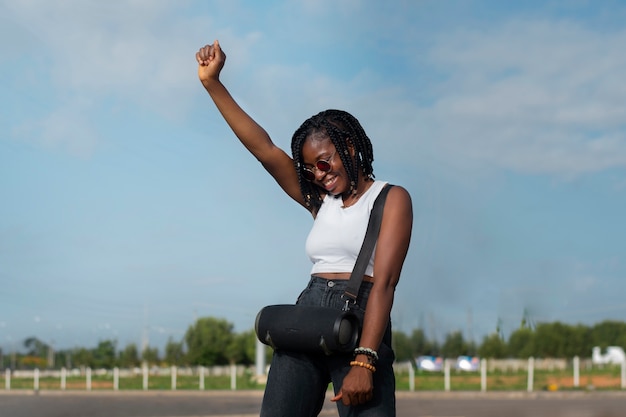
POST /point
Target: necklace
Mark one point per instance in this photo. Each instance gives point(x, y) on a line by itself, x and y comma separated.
point(353, 198)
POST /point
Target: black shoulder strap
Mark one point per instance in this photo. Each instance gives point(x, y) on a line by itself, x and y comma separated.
point(371, 236)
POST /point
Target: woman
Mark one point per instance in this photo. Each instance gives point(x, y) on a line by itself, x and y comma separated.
point(331, 176)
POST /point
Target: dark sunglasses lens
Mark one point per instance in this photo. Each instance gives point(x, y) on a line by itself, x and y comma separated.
point(308, 175)
point(323, 166)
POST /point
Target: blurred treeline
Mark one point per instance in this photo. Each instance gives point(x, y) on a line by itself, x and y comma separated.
point(212, 341)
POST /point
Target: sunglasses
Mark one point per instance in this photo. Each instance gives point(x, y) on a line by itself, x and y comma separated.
point(322, 165)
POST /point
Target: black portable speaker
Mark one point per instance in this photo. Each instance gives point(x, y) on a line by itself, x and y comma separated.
point(308, 328)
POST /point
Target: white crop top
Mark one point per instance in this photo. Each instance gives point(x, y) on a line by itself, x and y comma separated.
point(337, 234)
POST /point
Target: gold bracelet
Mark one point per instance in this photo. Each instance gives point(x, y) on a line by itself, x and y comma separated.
point(367, 366)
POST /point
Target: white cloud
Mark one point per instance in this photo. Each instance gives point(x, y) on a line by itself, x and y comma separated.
point(130, 50)
point(532, 97)
point(113, 56)
point(528, 96)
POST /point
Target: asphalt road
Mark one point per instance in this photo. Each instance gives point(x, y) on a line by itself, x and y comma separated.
point(246, 404)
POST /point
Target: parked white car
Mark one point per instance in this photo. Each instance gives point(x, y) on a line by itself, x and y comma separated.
point(429, 363)
point(468, 363)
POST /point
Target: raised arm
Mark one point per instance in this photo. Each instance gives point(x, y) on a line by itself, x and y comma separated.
point(211, 60)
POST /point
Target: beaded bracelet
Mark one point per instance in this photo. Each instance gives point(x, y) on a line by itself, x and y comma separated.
point(371, 353)
point(367, 366)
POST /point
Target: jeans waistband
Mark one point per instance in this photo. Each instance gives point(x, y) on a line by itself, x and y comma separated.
point(335, 283)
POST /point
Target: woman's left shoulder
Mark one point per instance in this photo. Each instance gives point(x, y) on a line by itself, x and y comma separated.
point(398, 213)
point(398, 192)
point(399, 200)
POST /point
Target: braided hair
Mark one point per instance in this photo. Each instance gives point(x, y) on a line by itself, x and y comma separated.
point(343, 130)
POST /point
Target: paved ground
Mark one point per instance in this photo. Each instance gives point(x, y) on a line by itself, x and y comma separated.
point(246, 404)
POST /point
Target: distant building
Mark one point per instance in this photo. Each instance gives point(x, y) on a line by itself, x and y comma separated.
point(613, 355)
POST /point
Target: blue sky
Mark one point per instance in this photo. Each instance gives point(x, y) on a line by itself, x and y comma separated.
point(128, 208)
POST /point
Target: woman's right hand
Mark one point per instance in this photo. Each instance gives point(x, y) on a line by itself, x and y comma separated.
point(211, 60)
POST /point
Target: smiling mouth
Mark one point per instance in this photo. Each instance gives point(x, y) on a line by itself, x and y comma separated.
point(329, 183)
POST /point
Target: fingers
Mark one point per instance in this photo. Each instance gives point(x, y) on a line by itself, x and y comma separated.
point(354, 399)
point(345, 400)
point(210, 60)
point(368, 397)
point(357, 398)
point(207, 53)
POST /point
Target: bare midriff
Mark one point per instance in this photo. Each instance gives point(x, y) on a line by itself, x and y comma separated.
point(340, 275)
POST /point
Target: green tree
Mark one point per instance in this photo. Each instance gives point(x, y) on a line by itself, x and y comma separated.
point(558, 340)
point(129, 357)
point(150, 355)
point(243, 348)
point(492, 346)
point(174, 352)
point(35, 347)
point(402, 346)
point(522, 343)
point(472, 348)
point(609, 333)
point(208, 340)
point(104, 355)
point(419, 344)
point(454, 345)
point(579, 342)
point(83, 357)
point(64, 359)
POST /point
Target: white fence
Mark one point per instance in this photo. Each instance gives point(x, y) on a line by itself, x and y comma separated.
point(237, 371)
point(513, 365)
point(234, 371)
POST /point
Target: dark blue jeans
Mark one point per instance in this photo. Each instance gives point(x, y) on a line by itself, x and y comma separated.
point(297, 382)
